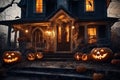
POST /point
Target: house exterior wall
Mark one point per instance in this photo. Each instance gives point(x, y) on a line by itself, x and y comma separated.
point(73, 15)
point(75, 7)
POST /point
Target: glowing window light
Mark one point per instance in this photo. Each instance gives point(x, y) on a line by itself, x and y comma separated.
point(39, 6)
point(89, 5)
point(92, 35)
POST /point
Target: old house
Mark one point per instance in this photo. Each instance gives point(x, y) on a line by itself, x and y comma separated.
point(61, 26)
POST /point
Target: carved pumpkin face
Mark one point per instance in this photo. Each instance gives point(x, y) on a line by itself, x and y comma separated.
point(31, 56)
point(78, 56)
point(84, 57)
point(11, 56)
point(39, 55)
point(101, 54)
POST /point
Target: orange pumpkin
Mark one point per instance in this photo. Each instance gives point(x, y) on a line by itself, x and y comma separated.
point(84, 57)
point(39, 55)
point(11, 56)
point(98, 76)
point(31, 56)
point(81, 69)
point(115, 61)
point(78, 56)
point(101, 54)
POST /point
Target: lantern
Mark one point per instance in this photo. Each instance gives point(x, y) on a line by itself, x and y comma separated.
point(31, 56)
point(39, 55)
point(78, 56)
point(11, 56)
point(101, 54)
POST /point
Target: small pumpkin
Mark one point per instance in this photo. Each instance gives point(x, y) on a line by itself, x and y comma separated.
point(101, 54)
point(84, 57)
point(115, 61)
point(98, 76)
point(39, 55)
point(31, 56)
point(78, 56)
point(11, 57)
point(81, 69)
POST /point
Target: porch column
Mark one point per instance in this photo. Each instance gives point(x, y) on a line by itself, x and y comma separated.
point(86, 36)
point(15, 36)
point(9, 37)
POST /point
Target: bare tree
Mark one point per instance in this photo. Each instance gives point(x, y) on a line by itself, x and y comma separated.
point(9, 5)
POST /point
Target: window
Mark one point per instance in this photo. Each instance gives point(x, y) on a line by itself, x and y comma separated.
point(39, 6)
point(89, 5)
point(92, 35)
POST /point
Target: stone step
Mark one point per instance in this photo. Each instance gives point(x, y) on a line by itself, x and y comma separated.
point(50, 72)
point(58, 59)
point(58, 56)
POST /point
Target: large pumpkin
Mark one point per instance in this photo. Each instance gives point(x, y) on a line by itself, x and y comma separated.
point(78, 56)
point(31, 56)
point(11, 56)
point(101, 54)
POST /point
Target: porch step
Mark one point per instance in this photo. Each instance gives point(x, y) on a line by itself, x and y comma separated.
point(58, 56)
point(48, 73)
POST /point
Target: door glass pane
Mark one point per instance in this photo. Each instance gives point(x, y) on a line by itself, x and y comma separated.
point(92, 35)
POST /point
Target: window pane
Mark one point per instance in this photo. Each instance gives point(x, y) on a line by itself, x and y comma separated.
point(92, 35)
point(89, 5)
point(39, 6)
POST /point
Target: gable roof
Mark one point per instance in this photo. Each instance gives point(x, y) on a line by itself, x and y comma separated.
point(59, 11)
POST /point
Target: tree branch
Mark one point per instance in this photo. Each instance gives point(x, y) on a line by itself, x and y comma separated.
point(9, 5)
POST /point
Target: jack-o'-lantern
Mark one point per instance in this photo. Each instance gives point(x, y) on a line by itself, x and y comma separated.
point(39, 55)
point(31, 56)
point(101, 54)
point(78, 56)
point(11, 56)
point(84, 57)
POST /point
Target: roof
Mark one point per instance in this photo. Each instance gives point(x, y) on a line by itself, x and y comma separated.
point(21, 21)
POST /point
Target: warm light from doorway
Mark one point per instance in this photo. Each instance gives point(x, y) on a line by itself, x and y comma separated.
point(73, 27)
point(26, 31)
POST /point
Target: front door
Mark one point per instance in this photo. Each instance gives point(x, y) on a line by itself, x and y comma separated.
point(37, 39)
point(63, 37)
